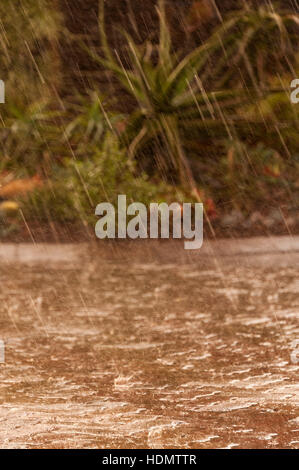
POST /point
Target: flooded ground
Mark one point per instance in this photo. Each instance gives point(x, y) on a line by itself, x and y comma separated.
point(146, 348)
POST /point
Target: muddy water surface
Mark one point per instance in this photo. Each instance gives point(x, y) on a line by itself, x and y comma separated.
point(106, 353)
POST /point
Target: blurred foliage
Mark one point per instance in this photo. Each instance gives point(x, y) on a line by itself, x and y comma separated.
point(169, 97)
point(77, 186)
point(90, 125)
point(30, 138)
point(253, 44)
point(216, 122)
point(251, 174)
point(29, 32)
point(29, 58)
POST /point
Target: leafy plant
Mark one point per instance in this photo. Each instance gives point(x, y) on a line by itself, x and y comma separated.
point(29, 31)
point(251, 174)
point(169, 97)
point(29, 137)
point(88, 128)
point(255, 43)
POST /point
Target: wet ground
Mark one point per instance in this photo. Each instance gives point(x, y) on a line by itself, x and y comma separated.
point(150, 347)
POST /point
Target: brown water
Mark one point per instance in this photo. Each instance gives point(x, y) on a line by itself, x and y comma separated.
point(156, 354)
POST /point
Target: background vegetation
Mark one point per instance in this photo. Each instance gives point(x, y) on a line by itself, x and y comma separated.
point(210, 120)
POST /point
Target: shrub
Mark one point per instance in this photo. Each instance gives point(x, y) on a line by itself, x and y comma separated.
point(255, 43)
point(74, 189)
point(169, 97)
point(29, 31)
point(31, 137)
